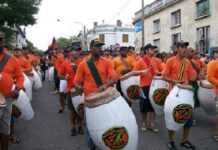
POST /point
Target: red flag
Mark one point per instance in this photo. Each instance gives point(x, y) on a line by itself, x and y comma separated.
point(53, 44)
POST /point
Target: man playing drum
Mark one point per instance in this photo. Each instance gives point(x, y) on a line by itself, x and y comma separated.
point(212, 72)
point(84, 79)
point(148, 61)
point(9, 72)
point(179, 70)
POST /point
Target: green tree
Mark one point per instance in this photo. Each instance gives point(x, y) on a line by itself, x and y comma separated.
point(18, 12)
point(63, 42)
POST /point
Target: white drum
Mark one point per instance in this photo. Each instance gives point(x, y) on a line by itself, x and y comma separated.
point(23, 104)
point(51, 74)
point(207, 96)
point(179, 107)
point(159, 90)
point(28, 87)
point(112, 125)
point(78, 101)
point(37, 82)
point(63, 86)
point(131, 87)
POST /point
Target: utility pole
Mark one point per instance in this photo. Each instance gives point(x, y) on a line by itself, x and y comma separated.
point(143, 26)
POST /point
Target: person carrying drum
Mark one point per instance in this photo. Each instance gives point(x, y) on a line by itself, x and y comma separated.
point(148, 61)
point(87, 81)
point(212, 72)
point(9, 72)
point(178, 70)
point(69, 70)
point(123, 65)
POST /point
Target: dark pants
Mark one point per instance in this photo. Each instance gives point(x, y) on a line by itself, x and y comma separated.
point(144, 102)
point(56, 79)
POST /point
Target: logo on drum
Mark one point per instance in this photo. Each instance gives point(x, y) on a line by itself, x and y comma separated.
point(133, 92)
point(160, 96)
point(116, 138)
point(182, 113)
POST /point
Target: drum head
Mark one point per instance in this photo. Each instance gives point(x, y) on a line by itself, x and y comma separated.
point(116, 138)
point(160, 96)
point(206, 84)
point(182, 113)
point(133, 92)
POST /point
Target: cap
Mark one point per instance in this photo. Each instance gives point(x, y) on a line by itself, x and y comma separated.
point(148, 46)
point(182, 44)
point(96, 43)
point(123, 48)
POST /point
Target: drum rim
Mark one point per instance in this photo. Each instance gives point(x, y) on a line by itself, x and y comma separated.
point(187, 87)
point(206, 86)
point(107, 96)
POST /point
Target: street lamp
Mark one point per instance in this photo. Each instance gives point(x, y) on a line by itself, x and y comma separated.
point(143, 26)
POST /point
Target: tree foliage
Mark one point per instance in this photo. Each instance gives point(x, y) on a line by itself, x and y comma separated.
point(18, 12)
point(63, 42)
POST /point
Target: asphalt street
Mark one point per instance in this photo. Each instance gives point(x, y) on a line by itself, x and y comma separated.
point(51, 131)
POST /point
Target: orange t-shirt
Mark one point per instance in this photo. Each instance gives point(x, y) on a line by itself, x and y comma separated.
point(11, 74)
point(155, 63)
point(84, 77)
point(145, 80)
point(119, 64)
point(212, 73)
point(58, 62)
point(179, 70)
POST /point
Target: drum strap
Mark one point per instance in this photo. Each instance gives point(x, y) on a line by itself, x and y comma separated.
point(94, 72)
point(181, 71)
point(4, 61)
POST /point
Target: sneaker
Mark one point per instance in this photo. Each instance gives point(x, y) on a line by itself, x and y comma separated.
point(171, 146)
point(188, 145)
point(143, 127)
point(73, 132)
point(80, 131)
point(154, 130)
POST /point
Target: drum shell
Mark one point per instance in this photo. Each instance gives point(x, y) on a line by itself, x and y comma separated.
point(155, 85)
point(77, 101)
point(23, 104)
point(28, 87)
point(176, 97)
point(51, 74)
point(117, 113)
point(125, 84)
point(207, 100)
point(37, 82)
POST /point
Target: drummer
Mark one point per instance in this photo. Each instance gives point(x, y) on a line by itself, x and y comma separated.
point(148, 61)
point(13, 72)
point(212, 72)
point(178, 70)
point(68, 69)
point(123, 64)
point(84, 79)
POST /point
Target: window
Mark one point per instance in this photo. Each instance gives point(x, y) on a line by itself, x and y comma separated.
point(102, 38)
point(156, 26)
point(157, 43)
point(175, 39)
point(203, 42)
point(176, 18)
point(203, 8)
point(125, 38)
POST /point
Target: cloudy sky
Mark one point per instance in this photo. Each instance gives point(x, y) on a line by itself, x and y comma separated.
point(72, 12)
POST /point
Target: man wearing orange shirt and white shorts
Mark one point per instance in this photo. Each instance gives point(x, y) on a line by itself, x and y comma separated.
point(212, 72)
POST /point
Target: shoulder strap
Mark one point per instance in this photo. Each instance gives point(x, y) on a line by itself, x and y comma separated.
point(94, 72)
point(4, 61)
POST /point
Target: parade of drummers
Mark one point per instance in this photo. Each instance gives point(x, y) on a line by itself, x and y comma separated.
point(109, 75)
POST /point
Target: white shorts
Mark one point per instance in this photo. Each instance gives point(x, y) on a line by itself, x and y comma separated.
point(63, 86)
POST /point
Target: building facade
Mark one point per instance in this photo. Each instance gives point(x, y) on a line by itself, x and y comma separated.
point(112, 35)
point(168, 21)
